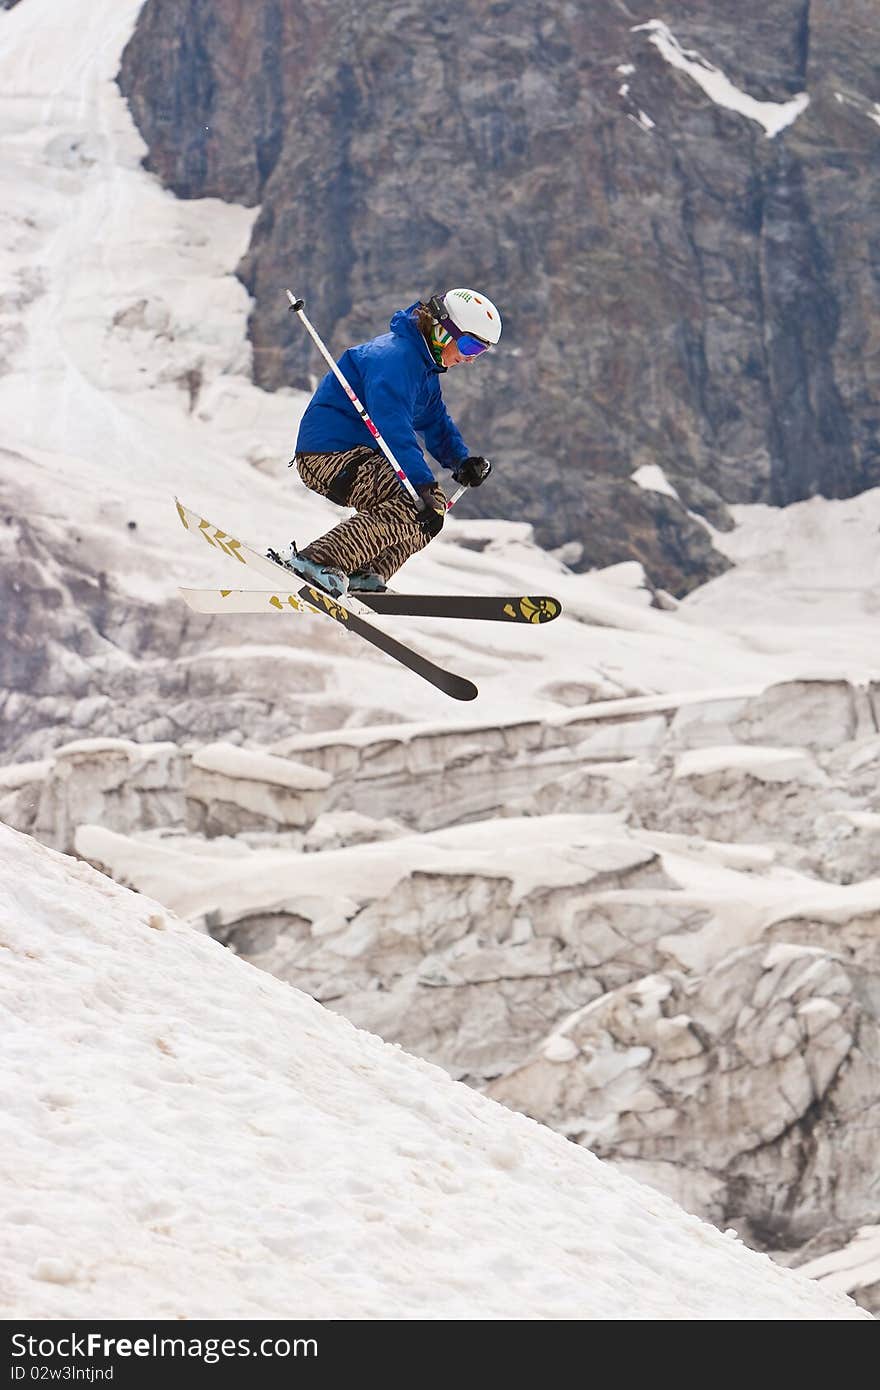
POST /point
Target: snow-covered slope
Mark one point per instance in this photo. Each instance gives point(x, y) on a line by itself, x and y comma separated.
point(186, 1137)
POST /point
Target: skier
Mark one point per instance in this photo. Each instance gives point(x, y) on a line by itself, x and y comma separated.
point(397, 376)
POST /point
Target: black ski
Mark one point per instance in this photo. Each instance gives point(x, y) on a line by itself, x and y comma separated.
point(520, 608)
point(447, 681)
point(455, 686)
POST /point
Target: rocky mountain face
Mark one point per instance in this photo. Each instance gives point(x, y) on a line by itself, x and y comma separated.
point(681, 285)
point(698, 1007)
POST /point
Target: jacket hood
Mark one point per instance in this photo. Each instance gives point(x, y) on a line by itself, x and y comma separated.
point(405, 326)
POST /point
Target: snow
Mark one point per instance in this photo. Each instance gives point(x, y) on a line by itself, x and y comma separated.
point(548, 851)
point(188, 1137)
point(641, 119)
point(21, 774)
point(767, 764)
point(774, 116)
point(811, 568)
point(871, 109)
point(744, 906)
point(856, 1266)
point(739, 888)
point(243, 763)
point(651, 477)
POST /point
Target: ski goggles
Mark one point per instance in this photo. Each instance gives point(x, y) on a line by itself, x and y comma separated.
point(468, 344)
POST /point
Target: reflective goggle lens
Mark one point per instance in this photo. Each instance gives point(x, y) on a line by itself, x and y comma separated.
point(469, 346)
point(467, 343)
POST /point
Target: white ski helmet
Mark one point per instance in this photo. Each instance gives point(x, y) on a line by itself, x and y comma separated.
point(472, 313)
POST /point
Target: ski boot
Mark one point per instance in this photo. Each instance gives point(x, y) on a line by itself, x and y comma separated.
point(332, 581)
point(366, 581)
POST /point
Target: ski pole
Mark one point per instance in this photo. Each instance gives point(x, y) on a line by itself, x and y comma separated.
point(298, 307)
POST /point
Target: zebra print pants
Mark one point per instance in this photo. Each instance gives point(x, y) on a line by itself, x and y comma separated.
point(384, 533)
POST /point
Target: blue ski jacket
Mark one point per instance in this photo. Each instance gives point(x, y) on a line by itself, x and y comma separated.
point(398, 381)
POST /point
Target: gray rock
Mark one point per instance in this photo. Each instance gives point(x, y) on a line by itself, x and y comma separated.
point(741, 1079)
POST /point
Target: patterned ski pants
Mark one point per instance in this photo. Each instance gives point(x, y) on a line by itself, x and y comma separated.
point(385, 531)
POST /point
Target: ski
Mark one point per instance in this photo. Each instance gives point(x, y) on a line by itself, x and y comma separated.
point(345, 612)
point(245, 601)
point(517, 609)
point(456, 686)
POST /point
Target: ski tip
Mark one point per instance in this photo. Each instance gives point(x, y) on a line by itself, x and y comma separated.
point(538, 608)
point(463, 690)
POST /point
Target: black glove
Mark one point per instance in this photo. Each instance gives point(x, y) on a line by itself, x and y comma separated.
point(472, 471)
point(432, 517)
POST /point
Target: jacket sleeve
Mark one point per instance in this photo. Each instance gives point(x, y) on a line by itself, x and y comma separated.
point(389, 399)
point(440, 430)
